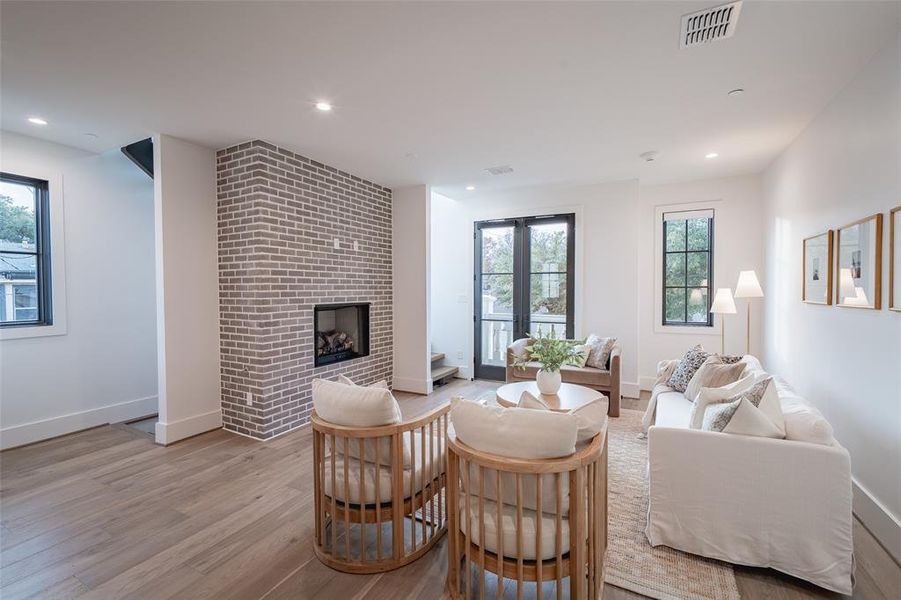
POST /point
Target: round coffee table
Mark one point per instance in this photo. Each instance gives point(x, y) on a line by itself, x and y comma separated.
point(569, 397)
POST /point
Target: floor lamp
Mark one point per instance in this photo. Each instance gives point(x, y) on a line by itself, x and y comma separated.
point(723, 304)
point(748, 287)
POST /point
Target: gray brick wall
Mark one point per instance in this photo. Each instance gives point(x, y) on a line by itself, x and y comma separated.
point(278, 214)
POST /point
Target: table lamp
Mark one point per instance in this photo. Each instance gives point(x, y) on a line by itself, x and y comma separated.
point(723, 305)
point(748, 287)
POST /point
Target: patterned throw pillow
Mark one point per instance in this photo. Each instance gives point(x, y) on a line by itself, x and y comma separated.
point(686, 368)
point(600, 351)
point(753, 412)
point(583, 351)
point(729, 360)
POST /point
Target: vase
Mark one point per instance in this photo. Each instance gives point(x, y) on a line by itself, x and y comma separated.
point(548, 382)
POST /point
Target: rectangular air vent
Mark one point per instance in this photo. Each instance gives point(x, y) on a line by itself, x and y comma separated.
point(501, 170)
point(710, 25)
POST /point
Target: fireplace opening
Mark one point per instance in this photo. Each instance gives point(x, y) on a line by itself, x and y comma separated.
point(340, 332)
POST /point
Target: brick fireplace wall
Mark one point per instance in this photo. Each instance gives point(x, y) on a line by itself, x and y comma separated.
point(279, 215)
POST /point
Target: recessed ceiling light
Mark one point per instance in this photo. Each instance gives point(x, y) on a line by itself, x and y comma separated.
point(649, 156)
point(36, 121)
point(736, 92)
point(711, 155)
point(323, 106)
point(469, 188)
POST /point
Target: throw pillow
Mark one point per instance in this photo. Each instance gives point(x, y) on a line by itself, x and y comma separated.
point(716, 395)
point(584, 350)
point(750, 413)
point(713, 373)
point(599, 354)
point(591, 417)
point(527, 400)
point(520, 347)
point(514, 432)
point(686, 368)
point(381, 384)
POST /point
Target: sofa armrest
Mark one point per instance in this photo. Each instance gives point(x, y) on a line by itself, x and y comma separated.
point(754, 501)
point(615, 362)
point(665, 369)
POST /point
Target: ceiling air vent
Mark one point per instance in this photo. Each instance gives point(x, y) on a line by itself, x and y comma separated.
point(501, 170)
point(710, 25)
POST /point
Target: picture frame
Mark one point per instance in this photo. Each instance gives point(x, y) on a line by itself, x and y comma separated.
point(894, 260)
point(816, 268)
point(858, 249)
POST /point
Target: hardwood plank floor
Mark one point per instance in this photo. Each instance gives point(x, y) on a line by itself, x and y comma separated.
point(106, 513)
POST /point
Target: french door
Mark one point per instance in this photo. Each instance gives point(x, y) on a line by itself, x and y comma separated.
point(523, 282)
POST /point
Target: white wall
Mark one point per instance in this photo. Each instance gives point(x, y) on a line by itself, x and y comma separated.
point(606, 261)
point(738, 246)
point(451, 306)
point(101, 366)
point(187, 289)
point(846, 165)
point(412, 369)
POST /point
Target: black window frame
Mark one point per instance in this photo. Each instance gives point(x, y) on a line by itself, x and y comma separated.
point(41, 251)
point(710, 287)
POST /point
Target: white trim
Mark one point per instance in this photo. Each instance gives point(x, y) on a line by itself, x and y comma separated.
point(646, 383)
point(35, 431)
point(57, 256)
point(884, 526)
point(629, 390)
point(169, 433)
point(408, 384)
point(659, 211)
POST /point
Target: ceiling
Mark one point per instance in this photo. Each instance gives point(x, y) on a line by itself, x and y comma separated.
point(434, 92)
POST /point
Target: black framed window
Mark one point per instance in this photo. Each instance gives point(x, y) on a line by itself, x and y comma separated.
point(688, 268)
point(24, 251)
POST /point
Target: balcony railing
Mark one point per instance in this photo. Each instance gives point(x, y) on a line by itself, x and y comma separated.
point(497, 333)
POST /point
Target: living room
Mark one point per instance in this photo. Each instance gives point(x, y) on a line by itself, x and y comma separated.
point(392, 299)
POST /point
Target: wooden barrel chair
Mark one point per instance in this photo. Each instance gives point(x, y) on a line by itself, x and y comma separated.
point(567, 542)
point(379, 498)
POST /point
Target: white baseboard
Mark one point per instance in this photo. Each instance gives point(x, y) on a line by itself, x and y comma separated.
point(416, 386)
point(464, 373)
point(173, 431)
point(629, 390)
point(647, 383)
point(27, 433)
point(877, 518)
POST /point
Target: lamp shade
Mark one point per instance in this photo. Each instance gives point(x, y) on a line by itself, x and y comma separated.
point(723, 304)
point(846, 287)
point(748, 286)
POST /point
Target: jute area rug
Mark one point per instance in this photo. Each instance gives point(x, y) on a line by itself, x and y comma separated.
point(632, 563)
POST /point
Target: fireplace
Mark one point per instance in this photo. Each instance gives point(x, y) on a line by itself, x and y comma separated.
point(341, 332)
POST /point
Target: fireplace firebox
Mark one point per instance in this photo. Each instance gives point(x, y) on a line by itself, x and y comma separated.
point(341, 332)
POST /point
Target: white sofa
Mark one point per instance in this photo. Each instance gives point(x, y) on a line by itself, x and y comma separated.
point(782, 504)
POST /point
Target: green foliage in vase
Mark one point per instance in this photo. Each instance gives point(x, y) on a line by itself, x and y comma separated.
point(550, 352)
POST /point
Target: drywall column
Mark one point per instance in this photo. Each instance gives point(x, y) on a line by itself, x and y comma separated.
point(411, 225)
point(187, 292)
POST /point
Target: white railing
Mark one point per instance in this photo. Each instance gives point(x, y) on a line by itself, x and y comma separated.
point(497, 335)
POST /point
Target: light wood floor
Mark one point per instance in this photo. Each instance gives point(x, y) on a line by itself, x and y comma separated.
point(106, 513)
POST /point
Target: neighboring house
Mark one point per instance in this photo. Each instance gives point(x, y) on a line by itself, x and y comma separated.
point(18, 283)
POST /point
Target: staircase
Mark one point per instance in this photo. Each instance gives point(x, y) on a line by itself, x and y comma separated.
point(441, 374)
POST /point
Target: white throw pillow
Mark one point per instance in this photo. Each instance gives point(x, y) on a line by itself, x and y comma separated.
point(382, 384)
point(519, 347)
point(756, 412)
point(353, 405)
point(590, 418)
point(708, 396)
point(514, 432)
point(583, 350)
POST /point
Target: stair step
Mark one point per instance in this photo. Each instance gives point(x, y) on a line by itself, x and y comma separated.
point(443, 372)
point(436, 356)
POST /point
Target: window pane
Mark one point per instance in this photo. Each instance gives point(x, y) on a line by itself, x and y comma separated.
point(548, 297)
point(17, 226)
point(697, 305)
point(497, 250)
point(675, 269)
point(675, 235)
point(547, 247)
point(497, 296)
point(698, 234)
point(496, 337)
point(675, 305)
point(697, 269)
point(18, 284)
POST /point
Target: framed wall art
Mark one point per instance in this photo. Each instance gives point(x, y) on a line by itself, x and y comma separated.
point(817, 269)
point(859, 249)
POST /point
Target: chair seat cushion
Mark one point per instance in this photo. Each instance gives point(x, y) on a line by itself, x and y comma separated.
point(529, 531)
point(569, 374)
point(412, 477)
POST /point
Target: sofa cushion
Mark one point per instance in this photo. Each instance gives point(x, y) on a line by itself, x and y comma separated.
point(529, 530)
point(803, 422)
point(685, 370)
point(673, 410)
point(713, 373)
point(514, 432)
point(569, 374)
